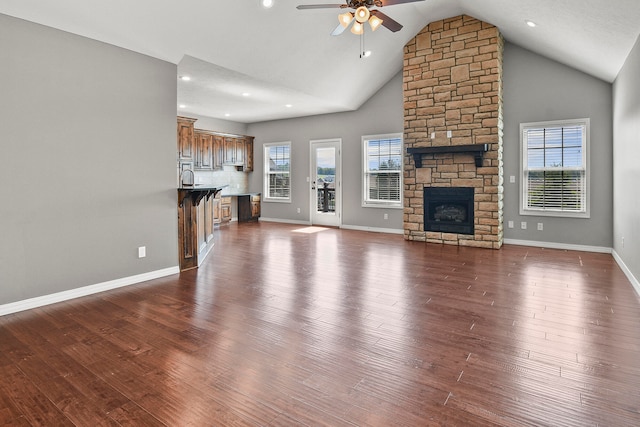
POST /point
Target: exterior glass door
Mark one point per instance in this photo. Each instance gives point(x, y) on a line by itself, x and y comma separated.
point(325, 183)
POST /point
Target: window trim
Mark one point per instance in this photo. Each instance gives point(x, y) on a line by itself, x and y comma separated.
point(587, 167)
point(265, 175)
point(364, 189)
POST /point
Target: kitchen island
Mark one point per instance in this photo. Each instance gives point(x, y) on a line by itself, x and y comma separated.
point(199, 210)
point(195, 224)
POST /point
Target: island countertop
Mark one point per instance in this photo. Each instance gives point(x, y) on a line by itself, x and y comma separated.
point(197, 192)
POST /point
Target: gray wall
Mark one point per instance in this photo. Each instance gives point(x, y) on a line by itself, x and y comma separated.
point(88, 148)
point(539, 89)
point(383, 113)
point(626, 160)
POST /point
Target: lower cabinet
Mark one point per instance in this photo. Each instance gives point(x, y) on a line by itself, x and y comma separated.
point(225, 209)
point(217, 210)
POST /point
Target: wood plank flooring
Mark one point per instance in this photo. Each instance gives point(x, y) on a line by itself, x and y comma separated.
point(298, 326)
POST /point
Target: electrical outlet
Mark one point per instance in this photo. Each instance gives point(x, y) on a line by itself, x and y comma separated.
point(142, 251)
point(433, 135)
point(510, 224)
point(298, 210)
point(512, 179)
point(523, 225)
point(449, 134)
point(540, 226)
point(386, 216)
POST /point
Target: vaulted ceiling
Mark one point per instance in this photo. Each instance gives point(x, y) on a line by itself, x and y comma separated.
point(287, 64)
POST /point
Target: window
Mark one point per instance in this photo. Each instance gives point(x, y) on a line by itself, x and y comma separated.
point(555, 168)
point(277, 172)
point(382, 170)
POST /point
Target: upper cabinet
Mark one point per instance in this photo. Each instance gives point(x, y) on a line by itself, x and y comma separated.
point(204, 150)
point(248, 154)
point(186, 146)
point(200, 149)
point(218, 151)
point(238, 151)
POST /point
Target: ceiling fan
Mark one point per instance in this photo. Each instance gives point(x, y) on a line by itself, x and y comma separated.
point(363, 13)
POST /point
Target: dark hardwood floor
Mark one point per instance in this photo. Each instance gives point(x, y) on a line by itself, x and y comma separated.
point(282, 327)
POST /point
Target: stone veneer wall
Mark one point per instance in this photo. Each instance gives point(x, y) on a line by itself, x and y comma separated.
point(452, 81)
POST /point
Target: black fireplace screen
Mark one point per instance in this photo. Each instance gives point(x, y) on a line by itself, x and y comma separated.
point(448, 209)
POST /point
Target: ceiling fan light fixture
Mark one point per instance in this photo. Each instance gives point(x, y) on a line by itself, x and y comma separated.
point(362, 14)
point(375, 22)
point(345, 19)
point(357, 28)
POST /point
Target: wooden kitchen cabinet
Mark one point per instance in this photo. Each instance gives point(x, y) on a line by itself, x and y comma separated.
point(234, 150)
point(186, 142)
point(229, 150)
point(217, 210)
point(255, 206)
point(248, 154)
point(204, 150)
point(218, 152)
point(239, 156)
point(225, 209)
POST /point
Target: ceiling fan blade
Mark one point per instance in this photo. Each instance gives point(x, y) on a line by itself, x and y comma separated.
point(320, 6)
point(392, 2)
point(339, 30)
point(392, 25)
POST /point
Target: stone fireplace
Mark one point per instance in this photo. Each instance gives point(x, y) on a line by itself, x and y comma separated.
point(452, 82)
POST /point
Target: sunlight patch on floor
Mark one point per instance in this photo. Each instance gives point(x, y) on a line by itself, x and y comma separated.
point(309, 230)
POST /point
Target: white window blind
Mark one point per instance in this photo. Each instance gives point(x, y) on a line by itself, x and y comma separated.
point(277, 167)
point(555, 168)
point(382, 170)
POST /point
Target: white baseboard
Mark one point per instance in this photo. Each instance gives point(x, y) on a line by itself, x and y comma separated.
point(600, 249)
point(30, 303)
point(552, 245)
point(285, 221)
point(373, 229)
point(634, 281)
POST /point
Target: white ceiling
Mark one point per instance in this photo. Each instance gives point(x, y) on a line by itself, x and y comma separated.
point(286, 56)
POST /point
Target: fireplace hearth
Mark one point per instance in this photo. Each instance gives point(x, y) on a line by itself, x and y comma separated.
point(448, 209)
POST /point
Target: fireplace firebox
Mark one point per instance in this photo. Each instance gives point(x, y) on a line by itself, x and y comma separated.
point(448, 209)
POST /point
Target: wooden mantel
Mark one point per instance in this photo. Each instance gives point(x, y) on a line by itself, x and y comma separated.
point(477, 150)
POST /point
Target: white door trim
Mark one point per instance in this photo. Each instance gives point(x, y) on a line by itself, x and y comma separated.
point(333, 220)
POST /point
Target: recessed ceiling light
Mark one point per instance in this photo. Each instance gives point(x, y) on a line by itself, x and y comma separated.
point(246, 94)
point(185, 78)
point(227, 114)
point(366, 53)
point(288, 105)
point(266, 3)
point(182, 106)
point(530, 23)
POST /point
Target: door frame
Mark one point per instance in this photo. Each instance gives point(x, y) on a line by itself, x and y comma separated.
point(319, 143)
